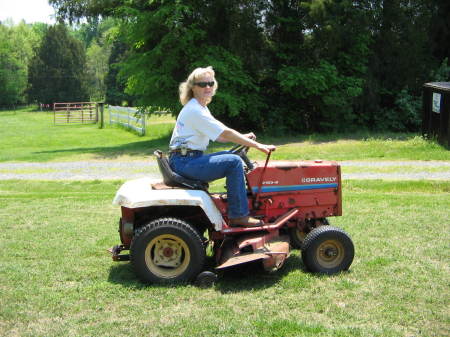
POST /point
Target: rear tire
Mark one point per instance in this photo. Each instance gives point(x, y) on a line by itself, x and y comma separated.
point(327, 250)
point(296, 237)
point(167, 250)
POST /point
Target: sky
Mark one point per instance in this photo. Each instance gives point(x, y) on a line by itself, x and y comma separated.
point(28, 10)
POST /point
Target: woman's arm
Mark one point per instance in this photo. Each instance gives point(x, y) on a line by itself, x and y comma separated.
point(230, 135)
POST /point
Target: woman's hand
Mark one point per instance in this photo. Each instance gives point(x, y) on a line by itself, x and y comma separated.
point(266, 148)
point(250, 135)
point(230, 135)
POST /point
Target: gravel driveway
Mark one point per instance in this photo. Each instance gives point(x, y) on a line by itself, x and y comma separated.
point(90, 170)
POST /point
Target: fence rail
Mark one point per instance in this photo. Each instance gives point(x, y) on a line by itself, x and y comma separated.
point(75, 113)
point(126, 117)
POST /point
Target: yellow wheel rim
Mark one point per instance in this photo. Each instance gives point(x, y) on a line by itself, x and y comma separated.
point(330, 254)
point(299, 235)
point(167, 256)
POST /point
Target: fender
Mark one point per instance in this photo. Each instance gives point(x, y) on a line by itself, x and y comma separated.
point(139, 193)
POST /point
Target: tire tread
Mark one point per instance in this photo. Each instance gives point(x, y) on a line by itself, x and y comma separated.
point(169, 223)
point(315, 235)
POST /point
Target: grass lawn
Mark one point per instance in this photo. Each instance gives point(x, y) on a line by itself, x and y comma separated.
point(32, 136)
point(27, 136)
point(56, 278)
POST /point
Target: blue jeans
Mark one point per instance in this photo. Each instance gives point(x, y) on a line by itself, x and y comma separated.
point(215, 166)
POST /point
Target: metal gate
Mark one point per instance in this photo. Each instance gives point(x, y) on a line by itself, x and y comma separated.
point(75, 113)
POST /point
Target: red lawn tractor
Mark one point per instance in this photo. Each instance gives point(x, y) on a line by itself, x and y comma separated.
point(164, 224)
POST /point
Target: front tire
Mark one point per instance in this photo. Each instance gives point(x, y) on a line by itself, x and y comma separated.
point(327, 250)
point(167, 250)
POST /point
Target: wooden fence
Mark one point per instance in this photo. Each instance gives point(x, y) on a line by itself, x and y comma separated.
point(126, 117)
point(75, 113)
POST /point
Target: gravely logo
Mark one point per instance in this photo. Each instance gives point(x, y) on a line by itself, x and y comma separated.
point(319, 180)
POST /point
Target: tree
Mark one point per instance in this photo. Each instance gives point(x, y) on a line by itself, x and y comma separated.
point(321, 52)
point(289, 65)
point(14, 61)
point(440, 29)
point(58, 71)
point(97, 69)
point(98, 36)
point(115, 85)
point(74, 10)
point(401, 62)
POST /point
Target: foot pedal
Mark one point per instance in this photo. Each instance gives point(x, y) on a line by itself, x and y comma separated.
point(115, 252)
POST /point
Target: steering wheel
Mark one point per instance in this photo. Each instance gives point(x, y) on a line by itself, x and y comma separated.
point(241, 151)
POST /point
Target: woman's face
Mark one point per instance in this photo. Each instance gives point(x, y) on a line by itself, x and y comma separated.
point(204, 95)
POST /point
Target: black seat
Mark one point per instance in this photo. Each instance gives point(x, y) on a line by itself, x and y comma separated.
point(173, 179)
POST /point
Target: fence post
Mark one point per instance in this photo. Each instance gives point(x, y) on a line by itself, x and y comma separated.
point(101, 105)
point(143, 124)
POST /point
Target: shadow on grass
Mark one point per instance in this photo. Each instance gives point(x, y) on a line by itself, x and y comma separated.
point(242, 278)
point(122, 273)
point(146, 147)
point(252, 276)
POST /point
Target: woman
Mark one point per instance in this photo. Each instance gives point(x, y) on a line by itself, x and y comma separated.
point(194, 128)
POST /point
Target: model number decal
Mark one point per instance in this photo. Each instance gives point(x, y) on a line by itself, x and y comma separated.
point(319, 179)
point(270, 182)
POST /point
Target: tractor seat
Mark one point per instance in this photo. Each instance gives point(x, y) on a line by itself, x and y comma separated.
point(173, 179)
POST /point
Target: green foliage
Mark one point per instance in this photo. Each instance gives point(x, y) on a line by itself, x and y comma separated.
point(400, 63)
point(442, 74)
point(57, 72)
point(326, 80)
point(115, 85)
point(97, 36)
point(97, 67)
point(14, 61)
point(160, 47)
point(160, 60)
point(330, 92)
point(12, 71)
point(238, 98)
point(405, 116)
point(440, 29)
point(283, 66)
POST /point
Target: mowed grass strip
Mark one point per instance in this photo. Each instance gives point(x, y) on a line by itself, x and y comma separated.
point(56, 278)
point(395, 169)
point(27, 136)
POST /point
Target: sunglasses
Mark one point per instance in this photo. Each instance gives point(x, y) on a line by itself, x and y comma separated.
point(204, 84)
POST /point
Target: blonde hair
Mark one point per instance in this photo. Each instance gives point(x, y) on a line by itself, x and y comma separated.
point(185, 88)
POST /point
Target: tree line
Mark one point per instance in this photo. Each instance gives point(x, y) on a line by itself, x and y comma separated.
point(41, 63)
point(284, 65)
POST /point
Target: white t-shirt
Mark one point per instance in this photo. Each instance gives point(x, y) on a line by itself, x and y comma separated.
point(195, 127)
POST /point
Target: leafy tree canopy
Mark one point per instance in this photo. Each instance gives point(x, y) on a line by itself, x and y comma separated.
point(17, 45)
point(286, 65)
point(57, 72)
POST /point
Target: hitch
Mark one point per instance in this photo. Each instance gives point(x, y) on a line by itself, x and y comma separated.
point(116, 250)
